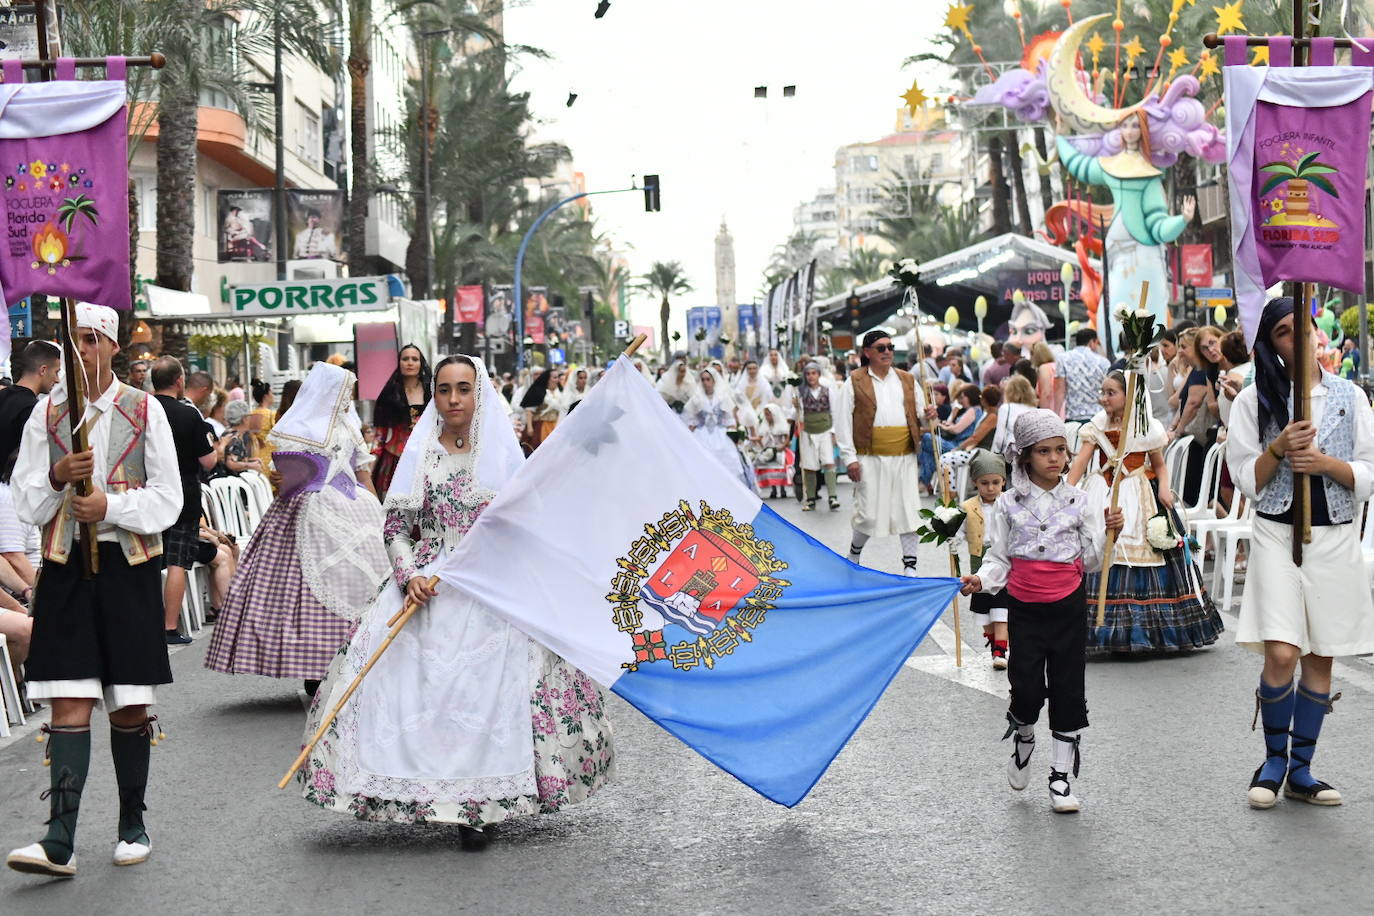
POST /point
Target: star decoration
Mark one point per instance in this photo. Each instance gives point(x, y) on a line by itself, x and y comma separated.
point(1261, 56)
point(1178, 58)
point(1228, 18)
point(1096, 44)
point(914, 98)
point(1207, 66)
point(1133, 49)
point(957, 18)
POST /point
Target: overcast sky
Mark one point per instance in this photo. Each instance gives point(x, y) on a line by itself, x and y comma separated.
point(666, 87)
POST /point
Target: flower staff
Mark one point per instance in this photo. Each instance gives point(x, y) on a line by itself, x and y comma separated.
point(1138, 335)
point(907, 273)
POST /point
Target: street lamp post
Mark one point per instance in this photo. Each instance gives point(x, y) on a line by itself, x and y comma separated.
point(519, 303)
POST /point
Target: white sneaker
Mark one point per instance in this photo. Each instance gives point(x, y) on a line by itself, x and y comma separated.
point(132, 853)
point(34, 860)
point(1018, 773)
point(1062, 799)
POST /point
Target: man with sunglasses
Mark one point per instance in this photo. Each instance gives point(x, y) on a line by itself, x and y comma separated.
point(878, 413)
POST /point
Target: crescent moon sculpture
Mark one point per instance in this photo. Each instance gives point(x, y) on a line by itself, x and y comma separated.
point(1066, 92)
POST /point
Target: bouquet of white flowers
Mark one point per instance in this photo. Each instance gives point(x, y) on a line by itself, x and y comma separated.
point(1161, 534)
point(906, 272)
point(942, 524)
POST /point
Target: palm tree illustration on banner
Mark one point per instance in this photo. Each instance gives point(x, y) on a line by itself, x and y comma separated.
point(1293, 207)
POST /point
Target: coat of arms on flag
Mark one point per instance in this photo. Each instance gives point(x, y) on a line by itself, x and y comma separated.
point(713, 567)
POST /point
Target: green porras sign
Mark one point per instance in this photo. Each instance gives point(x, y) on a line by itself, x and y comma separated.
point(312, 297)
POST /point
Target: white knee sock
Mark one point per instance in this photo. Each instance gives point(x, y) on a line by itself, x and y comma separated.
point(1026, 746)
point(1064, 752)
point(911, 544)
point(998, 614)
point(856, 545)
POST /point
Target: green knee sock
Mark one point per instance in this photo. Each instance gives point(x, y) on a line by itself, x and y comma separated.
point(69, 759)
point(809, 482)
point(131, 748)
point(830, 482)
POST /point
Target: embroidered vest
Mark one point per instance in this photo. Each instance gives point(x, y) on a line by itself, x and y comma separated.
point(1335, 437)
point(123, 458)
point(866, 408)
point(974, 525)
point(816, 417)
point(1055, 537)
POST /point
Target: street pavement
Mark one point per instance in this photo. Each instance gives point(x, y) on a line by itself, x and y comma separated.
point(914, 816)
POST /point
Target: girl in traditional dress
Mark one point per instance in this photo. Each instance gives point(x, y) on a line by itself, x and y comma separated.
point(1321, 609)
point(464, 720)
point(316, 558)
point(752, 388)
point(676, 387)
point(710, 415)
point(401, 401)
point(1155, 600)
point(816, 437)
point(772, 456)
point(543, 408)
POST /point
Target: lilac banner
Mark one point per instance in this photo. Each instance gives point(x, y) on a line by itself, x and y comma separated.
point(1307, 192)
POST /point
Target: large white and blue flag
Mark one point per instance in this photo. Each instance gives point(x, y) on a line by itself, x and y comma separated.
point(626, 548)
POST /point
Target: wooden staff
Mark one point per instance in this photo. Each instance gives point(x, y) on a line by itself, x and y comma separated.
point(401, 620)
point(944, 477)
point(1127, 414)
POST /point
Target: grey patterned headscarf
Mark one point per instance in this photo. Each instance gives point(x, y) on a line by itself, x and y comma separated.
point(1031, 427)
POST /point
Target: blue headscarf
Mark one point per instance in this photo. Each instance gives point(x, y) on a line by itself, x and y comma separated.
point(1271, 375)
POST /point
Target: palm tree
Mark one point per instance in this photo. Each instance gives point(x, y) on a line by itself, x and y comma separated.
point(664, 278)
point(611, 277)
point(865, 265)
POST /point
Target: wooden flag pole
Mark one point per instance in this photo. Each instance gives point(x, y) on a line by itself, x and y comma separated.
point(1127, 414)
point(401, 619)
point(942, 471)
point(635, 345)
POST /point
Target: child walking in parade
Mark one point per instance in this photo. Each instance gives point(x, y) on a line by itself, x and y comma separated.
point(99, 638)
point(989, 474)
point(1321, 608)
point(1043, 533)
point(1155, 600)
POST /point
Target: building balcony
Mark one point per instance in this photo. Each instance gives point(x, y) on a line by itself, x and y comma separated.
point(221, 135)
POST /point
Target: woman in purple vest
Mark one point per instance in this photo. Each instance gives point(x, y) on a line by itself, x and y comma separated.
point(1043, 532)
point(1322, 608)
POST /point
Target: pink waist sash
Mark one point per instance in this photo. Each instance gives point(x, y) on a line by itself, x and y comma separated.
point(1043, 581)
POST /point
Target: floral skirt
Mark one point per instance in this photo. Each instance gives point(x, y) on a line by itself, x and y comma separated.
point(573, 757)
point(1151, 609)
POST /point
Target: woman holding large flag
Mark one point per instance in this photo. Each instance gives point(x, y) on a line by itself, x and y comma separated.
point(1321, 608)
point(464, 720)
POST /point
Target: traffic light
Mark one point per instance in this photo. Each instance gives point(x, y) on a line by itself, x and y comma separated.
point(1189, 298)
point(651, 198)
point(853, 303)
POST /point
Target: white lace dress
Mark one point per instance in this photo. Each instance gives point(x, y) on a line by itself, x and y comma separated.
point(464, 719)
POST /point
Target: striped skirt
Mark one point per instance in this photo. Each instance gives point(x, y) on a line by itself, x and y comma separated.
point(271, 623)
point(1151, 609)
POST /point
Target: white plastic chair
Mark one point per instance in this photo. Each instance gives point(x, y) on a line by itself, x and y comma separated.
point(9, 692)
point(1237, 513)
point(231, 496)
point(1210, 487)
point(1181, 461)
point(1228, 543)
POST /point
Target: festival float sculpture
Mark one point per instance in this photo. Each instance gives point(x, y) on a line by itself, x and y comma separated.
point(1101, 141)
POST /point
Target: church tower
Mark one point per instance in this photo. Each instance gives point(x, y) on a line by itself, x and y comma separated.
point(725, 287)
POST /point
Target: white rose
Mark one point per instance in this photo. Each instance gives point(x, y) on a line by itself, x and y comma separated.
point(1142, 313)
point(1160, 534)
point(1123, 314)
point(948, 513)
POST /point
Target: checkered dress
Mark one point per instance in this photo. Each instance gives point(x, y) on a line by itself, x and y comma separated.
point(271, 624)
